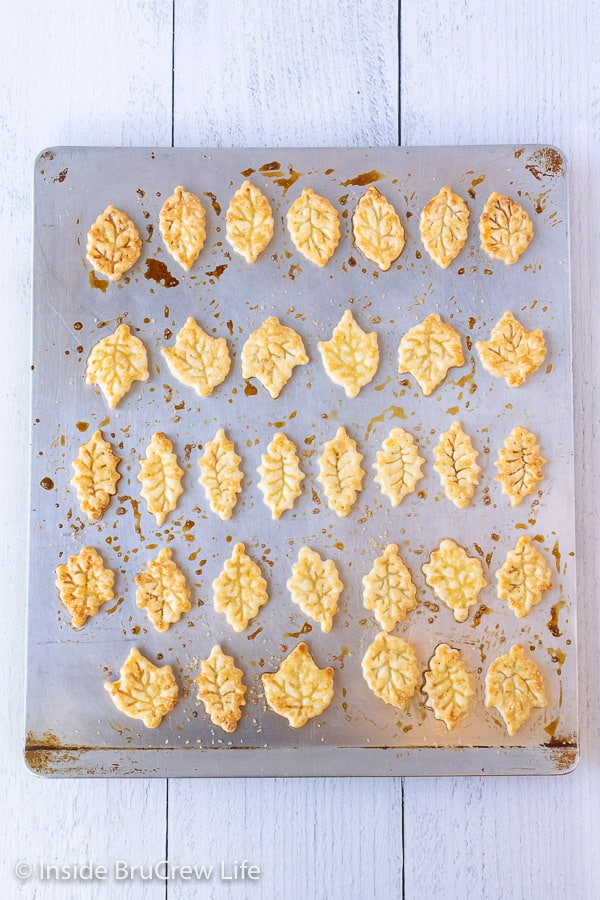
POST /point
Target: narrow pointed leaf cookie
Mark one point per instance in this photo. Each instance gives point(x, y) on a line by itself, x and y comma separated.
point(249, 222)
point(523, 578)
point(115, 362)
point(512, 353)
point(182, 222)
point(456, 464)
point(388, 589)
point(220, 474)
point(298, 690)
point(84, 584)
point(340, 472)
point(351, 357)
point(428, 350)
point(314, 226)
point(398, 465)
point(144, 691)
point(240, 590)
point(221, 689)
point(162, 591)
point(315, 586)
point(96, 475)
point(455, 577)
point(281, 475)
point(444, 226)
point(378, 231)
point(390, 669)
point(519, 465)
point(271, 353)
point(160, 477)
point(448, 686)
point(113, 243)
point(505, 228)
point(197, 359)
point(515, 686)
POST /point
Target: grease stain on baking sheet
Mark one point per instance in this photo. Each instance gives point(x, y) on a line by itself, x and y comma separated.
point(100, 283)
point(215, 203)
point(47, 484)
point(157, 271)
point(391, 412)
point(306, 629)
point(217, 271)
point(274, 171)
point(552, 624)
point(364, 178)
point(546, 163)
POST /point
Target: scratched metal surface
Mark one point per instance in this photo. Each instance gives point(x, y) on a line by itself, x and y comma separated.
point(72, 726)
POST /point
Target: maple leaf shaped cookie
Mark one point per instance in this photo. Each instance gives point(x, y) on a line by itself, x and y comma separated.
point(351, 356)
point(299, 690)
point(444, 226)
point(314, 226)
point(456, 464)
point(162, 591)
point(524, 577)
point(144, 691)
point(515, 686)
point(113, 243)
point(388, 589)
point(249, 222)
point(271, 353)
point(221, 689)
point(512, 353)
point(378, 231)
point(398, 465)
point(340, 472)
point(115, 362)
point(448, 686)
point(96, 475)
point(84, 584)
point(160, 477)
point(281, 475)
point(197, 359)
point(505, 228)
point(240, 590)
point(390, 669)
point(428, 350)
point(315, 587)
point(519, 465)
point(220, 474)
point(455, 577)
point(182, 222)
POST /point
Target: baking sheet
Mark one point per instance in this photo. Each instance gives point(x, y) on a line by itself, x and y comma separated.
point(72, 726)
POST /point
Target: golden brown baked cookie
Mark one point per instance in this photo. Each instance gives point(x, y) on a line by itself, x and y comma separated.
point(351, 356)
point(340, 472)
point(280, 475)
point(315, 587)
point(455, 577)
point(390, 669)
point(378, 231)
point(160, 477)
point(444, 226)
point(162, 591)
point(519, 465)
point(512, 353)
point(398, 465)
point(113, 244)
point(84, 584)
point(96, 475)
point(448, 686)
point(515, 686)
point(220, 474)
point(388, 589)
point(456, 464)
point(115, 362)
point(271, 354)
point(182, 222)
point(240, 590)
point(249, 222)
point(144, 691)
point(428, 350)
point(314, 227)
point(298, 690)
point(221, 689)
point(505, 228)
point(523, 578)
point(197, 359)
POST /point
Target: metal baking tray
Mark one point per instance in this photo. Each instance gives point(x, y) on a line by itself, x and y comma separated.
point(72, 726)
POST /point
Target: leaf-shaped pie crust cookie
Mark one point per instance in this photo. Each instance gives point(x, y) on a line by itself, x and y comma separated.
point(515, 686)
point(271, 353)
point(444, 226)
point(398, 465)
point(281, 475)
point(505, 228)
point(448, 686)
point(144, 691)
point(182, 222)
point(162, 591)
point(315, 586)
point(197, 359)
point(390, 669)
point(84, 584)
point(428, 350)
point(523, 578)
point(340, 472)
point(240, 590)
point(378, 231)
point(298, 690)
point(512, 353)
point(113, 243)
point(455, 577)
point(221, 689)
point(249, 222)
point(456, 464)
point(220, 474)
point(314, 226)
point(96, 475)
point(351, 356)
point(519, 465)
point(160, 477)
point(115, 362)
point(388, 589)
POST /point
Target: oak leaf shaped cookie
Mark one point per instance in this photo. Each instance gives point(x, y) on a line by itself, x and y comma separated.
point(388, 589)
point(456, 464)
point(398, 465)
point(315, 586)
point(240, 590)
point(96, 475)
point(515, 686)
point(144, 691)
point(160, 477)
point(113, 243)
point(221, 689)
point(519, 465)
point(390, 669)
point(523, 578)
point(249, 222)
point(162, 591)
point(512, 353)
point(271, 353)
point(314, 226)
point(340, 472)
point(505, 228)
point(378, 231)
point(182, 222)
point(428, 350)
point(84, 584)
point(197, 359)
point(444, 226)
point(220, 474)
point(351, 356)
point(455, 577)
point(115, 362)
point(281, 475)
point(299, 690)
point(448, 686)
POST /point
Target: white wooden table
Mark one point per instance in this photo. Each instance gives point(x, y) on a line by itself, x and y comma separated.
point(311, 73)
